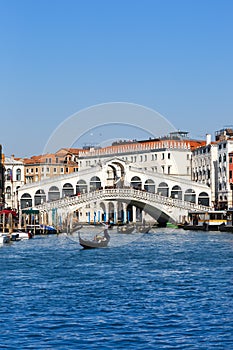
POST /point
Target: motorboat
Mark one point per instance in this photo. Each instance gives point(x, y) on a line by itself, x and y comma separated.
point(20, 235)
point(4, 238)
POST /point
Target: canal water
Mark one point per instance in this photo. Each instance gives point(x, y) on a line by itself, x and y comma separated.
point(171, 289)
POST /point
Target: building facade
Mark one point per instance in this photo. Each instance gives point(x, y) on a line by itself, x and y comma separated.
point(40, 167)
point(14, 179)
point(205, 166)
point(225, 148)
point(2, 179)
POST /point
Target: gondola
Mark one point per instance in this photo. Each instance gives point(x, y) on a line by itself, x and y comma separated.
point(143, 229)
point(97, 242)
point(126, 229)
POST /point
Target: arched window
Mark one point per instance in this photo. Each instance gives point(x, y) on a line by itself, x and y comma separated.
point(149, 186)
point(136, 183)
point(67, 190)
point(190, 196)
point(26, 201)
point(40, 197)
point(9, 174)
point(18, 175)
point(81, 187)
point(176, 192)
point(203, 199)
point(95, 183)
point(8, 192)
point(53, 194)
point(163, 189)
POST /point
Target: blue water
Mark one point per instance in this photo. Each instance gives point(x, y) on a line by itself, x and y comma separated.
point(167, 290)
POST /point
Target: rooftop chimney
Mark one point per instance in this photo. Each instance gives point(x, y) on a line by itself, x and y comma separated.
point(208, 139)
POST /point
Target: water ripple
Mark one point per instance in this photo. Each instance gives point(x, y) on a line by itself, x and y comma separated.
point(167, 290)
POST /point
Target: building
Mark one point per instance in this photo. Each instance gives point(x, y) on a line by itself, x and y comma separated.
point(163, 156)
point(225, 148)
point(45, 166)
point(1, 179)
point(205, 166)
point(14, 179)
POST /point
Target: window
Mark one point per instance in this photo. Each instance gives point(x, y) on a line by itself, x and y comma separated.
point(56, 159)
point(169, 155)
point(162, 156)
point(47, 170)
point(62, 170)
point(141, 158)
point(36, 170)
point(230, 160)
point(169, 169)
point(8, 192)
point(145, 158)
point(18, 175)
point(54, 170)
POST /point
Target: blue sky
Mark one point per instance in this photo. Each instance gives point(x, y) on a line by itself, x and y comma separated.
point(58, 57)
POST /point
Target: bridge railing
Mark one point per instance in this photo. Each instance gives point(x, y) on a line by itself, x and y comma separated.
point(121, 194)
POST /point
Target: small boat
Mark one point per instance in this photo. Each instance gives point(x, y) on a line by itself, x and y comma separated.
point(97, 242)
point(20, 235)
point(4, 238)
point(143, 229)
point(48, 229)
point(125, 229)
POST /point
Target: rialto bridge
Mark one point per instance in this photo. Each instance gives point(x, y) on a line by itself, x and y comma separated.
point(114, 191)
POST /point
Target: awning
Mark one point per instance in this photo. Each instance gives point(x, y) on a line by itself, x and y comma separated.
point(30, 211)
point(7, 212)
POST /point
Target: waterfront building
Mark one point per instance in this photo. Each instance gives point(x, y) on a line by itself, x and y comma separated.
point(205, 166)
point(38, 168)
point(170, 156)
point(1, 179)
point(225, 148)
point(14, 179)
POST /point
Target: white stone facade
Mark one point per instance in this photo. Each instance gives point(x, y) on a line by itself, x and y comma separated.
point(204, 167)
point(14, 179)
point(224, 190)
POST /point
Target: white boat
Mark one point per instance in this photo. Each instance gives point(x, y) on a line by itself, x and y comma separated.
point(19, 235)
point(4, 238)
